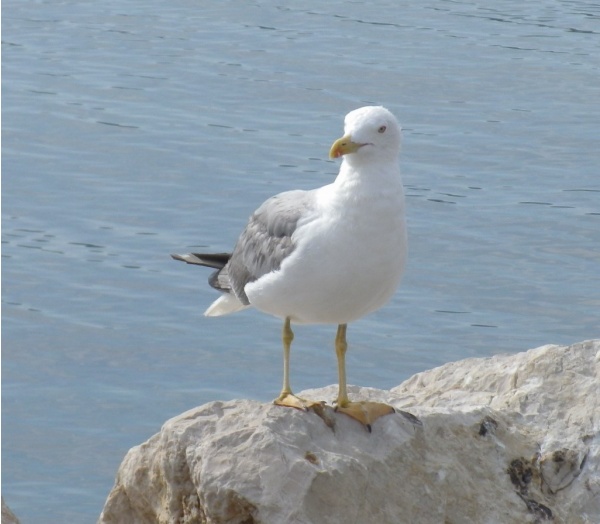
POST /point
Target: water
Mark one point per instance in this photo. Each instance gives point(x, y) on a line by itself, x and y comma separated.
point(135, 129)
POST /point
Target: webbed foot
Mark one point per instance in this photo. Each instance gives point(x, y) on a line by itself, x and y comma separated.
point(290, 400)
point(365, 412)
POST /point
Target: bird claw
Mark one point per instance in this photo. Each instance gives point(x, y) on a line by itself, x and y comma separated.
point(365, 412)
point(319, 407)
point(290, 400)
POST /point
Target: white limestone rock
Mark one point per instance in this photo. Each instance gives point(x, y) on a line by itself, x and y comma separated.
point(507, 439)
point(8, 517)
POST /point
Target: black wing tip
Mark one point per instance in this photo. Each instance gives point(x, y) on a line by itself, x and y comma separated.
point(190, 258)
point(175, 256)
point(214, 260)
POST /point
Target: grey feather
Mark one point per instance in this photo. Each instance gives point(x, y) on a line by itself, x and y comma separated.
point(261, 248)
point(267, 239)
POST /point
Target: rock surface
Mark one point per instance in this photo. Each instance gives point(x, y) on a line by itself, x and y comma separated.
point(507, 439)
point(8, 517)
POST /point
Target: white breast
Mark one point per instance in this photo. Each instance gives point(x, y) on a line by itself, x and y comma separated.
point(349, 257)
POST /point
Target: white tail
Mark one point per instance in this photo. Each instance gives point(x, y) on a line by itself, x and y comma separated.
point(225, 304)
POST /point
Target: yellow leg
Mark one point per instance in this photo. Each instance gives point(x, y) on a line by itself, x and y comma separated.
point(286, 397)
point(288, 337)
point(365, 412)
point(341, 347)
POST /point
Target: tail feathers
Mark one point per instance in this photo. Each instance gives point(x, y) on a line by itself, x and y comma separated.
point(214, 260)
point(225, 304)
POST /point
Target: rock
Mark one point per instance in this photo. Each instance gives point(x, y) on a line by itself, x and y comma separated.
point(507, 439)
point(8, 517)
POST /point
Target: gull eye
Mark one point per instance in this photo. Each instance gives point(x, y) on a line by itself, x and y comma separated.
point(382, 129)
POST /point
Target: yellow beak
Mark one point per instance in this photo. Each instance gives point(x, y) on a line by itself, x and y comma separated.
point(343, 146)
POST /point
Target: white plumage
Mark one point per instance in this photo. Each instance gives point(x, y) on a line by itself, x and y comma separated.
point(330, 255)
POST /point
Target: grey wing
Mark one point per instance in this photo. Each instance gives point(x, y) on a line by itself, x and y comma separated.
point(267, 239)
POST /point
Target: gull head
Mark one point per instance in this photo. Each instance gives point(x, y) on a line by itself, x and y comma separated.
point(369, 132)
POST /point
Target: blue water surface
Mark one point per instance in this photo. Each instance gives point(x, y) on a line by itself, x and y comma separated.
point(135, 129)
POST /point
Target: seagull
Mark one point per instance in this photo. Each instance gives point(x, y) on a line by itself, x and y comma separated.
point(329, 255)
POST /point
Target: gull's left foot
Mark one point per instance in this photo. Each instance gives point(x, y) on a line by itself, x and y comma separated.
point(290, 400)
point(365, 412)
point(318, 407)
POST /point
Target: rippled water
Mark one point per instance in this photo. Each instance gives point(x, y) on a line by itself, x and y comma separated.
point(135, 129)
